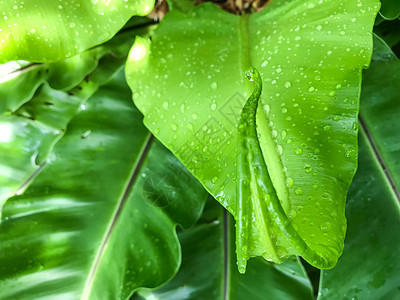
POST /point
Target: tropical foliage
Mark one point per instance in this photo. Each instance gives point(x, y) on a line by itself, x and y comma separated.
point(102, 197)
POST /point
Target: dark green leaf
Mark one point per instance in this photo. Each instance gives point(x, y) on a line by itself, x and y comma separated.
point(382, 51)
point(390, 9)
point(99, 220)
point(369, 267)
point(389, 31)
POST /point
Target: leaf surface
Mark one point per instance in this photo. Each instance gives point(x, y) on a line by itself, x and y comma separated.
point(99, 220)
point(189, 83)
point(209, 270)
point(47, 30)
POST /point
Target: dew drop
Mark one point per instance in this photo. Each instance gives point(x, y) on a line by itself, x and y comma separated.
point(195, 116)
point(287, 84)
point(298, 191)
point(298, 151)
point(174, 126)
point(289, 182)
point(190, 126)
point(308, 169)
point(279, 149)
point(311, 89)
point(165, 105)
point(214, 85)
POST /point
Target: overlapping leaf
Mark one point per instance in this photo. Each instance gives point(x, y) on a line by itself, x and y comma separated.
point(189, 83)
point(369, 267)
point(390, 9)
point(49, 30)
point(209, 268)
point(40, 101)
point(99, 220)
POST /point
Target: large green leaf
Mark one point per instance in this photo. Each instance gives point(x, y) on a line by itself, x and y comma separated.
point(41, 100)
point(209, 270)
point(48, 30)
point(189, 83)
point(99, 220)
point(369, 267)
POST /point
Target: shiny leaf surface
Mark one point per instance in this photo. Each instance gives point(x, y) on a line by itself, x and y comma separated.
point(209, 270)
point(99, 220)
point(48, 30)
point(310, 55)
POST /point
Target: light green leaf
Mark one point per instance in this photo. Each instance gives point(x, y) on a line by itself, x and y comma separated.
point(189, 83)
point(369, 267)
point(208, 269)
point(99, 220)
point(48, 30)
point(41, 100)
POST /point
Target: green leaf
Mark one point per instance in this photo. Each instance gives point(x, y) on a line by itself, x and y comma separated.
point(47, 30)
point(380, 112)
point(369, 267)
point(389, 31)
point(189, 83)
point(99, 220)
point(390, 9)
point(41, 100)
point(382, 51)
point(208, 268)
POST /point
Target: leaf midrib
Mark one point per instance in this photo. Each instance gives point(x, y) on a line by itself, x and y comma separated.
point(378, 157)
point(132, 179)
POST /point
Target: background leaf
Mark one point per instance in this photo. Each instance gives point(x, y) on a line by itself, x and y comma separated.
point(47, 30)
point(209, 268)
point(310, 57)
point(40, 102)
point(99, 220)
point(390, 9)
point(369, 268)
